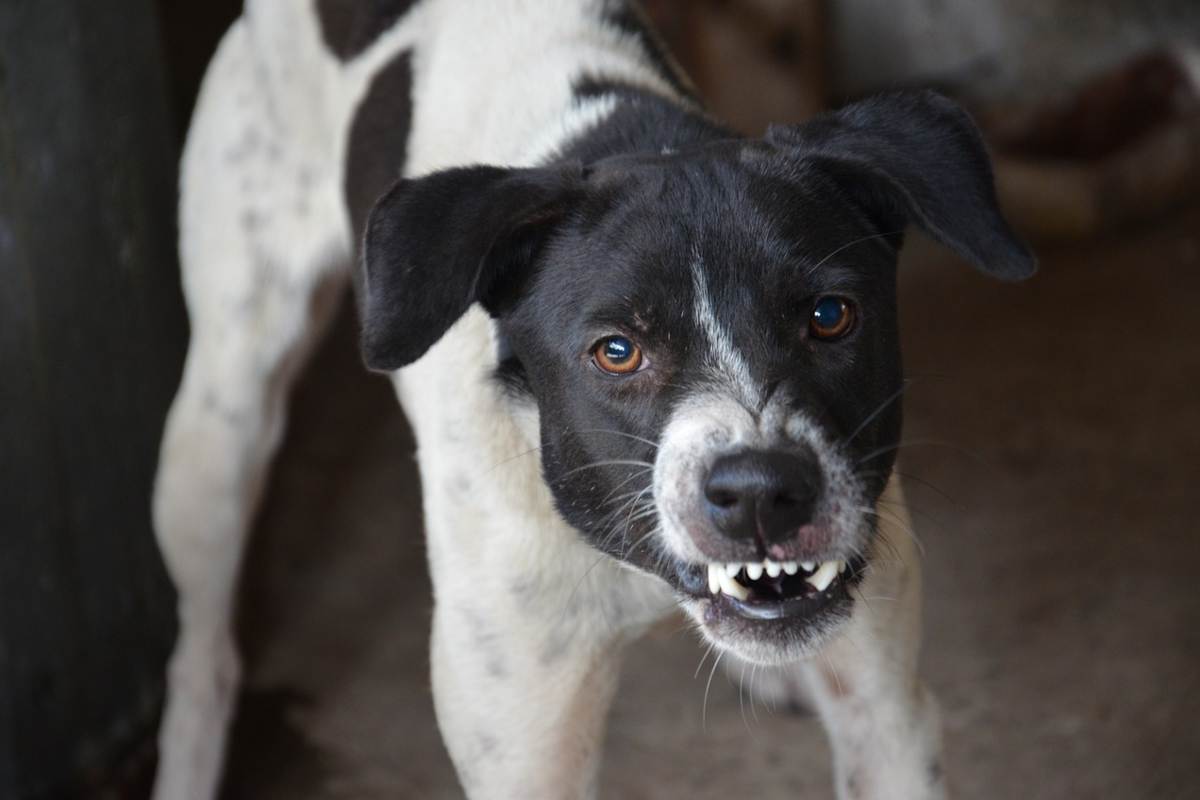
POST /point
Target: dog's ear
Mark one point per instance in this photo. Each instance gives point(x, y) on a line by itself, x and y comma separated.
point(915, 157)
point(437, 244)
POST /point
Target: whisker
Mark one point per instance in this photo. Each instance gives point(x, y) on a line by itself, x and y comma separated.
point(908, 476)
point(707, 686)
point(741, 699)
point(895, 521)
point(851, 243)
point(753, 712)
point(502, 462)
point(612, 463)
point(915, 443)
point(891, 399)
point(707, 651)
point(620, 433)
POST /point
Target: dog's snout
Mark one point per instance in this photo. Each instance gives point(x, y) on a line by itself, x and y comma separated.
point(763, 493)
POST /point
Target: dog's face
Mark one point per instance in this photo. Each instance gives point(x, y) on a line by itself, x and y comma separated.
point(710, 337)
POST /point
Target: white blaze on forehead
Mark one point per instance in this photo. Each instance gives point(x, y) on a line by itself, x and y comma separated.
point(730, 362)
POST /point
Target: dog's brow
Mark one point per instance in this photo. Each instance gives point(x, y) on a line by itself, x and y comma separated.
point(730, 362)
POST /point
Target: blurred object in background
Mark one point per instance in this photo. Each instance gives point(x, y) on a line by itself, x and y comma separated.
point(92, 332)
point(995, 50)
point(1123, 148)
point(1112, 139)
point(755, 62)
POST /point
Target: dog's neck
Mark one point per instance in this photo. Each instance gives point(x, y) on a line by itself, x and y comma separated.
point(640, 122)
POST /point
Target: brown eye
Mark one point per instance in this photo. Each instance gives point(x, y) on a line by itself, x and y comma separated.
point(832, 318)
point(617, 355)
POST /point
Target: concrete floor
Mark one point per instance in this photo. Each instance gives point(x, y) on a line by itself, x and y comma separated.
point(1063, 620)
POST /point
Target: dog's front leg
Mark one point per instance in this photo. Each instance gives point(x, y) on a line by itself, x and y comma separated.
point(525, 657)
point(519, 721)
point(883, 724)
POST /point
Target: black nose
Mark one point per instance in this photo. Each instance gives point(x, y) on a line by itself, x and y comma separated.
point(763, 492)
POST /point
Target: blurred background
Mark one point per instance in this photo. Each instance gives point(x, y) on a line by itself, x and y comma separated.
point(1053, 428)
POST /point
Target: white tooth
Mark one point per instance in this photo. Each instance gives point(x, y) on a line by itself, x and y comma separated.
point(714, 578)
point(807, 566)
point(841, 567)
point(754, 571)
point(823, 576)
point(731, 587)
point(773, 568)
point(791, 567)
point(732, 569)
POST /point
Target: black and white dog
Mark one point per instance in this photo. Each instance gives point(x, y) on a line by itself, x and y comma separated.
point(649, 363)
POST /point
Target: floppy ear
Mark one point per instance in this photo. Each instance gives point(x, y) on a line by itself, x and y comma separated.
point(915, 157)
point(435, 245)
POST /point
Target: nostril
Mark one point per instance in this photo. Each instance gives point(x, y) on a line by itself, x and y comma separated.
point(784, 500)
point(722, 498)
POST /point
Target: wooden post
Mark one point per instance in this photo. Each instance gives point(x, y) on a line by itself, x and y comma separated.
point(92, 334)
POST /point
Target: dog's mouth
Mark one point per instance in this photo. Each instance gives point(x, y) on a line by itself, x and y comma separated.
point(768, 590)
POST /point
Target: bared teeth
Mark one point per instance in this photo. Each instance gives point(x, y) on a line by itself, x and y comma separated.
point(824, 575)
point(720, 581)
point(723, 577)
point(731, 587)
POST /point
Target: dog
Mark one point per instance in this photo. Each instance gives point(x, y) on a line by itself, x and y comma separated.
point(650, 364)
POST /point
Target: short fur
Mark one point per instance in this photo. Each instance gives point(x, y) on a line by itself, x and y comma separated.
point(545, 179)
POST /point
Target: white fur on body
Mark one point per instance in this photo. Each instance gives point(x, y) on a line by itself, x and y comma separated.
point(529, 621)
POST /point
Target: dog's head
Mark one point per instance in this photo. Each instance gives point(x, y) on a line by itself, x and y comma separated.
point(710, 337)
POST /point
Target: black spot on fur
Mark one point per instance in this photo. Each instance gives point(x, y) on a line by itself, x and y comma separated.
point(487, 642)
point(486, 744)
point(350, 26)
point(378, 140)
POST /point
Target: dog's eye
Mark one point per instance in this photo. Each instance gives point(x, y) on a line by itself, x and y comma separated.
point(832, 318)
point(617, 355)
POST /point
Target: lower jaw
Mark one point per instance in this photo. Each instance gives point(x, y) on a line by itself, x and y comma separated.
point(797, 609)
point(753, 615)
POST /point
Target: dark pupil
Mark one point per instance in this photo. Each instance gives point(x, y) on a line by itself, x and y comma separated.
point(828, 312)
point(617, 349)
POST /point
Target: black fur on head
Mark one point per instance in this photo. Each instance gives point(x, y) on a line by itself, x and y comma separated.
point(435, 245)
point(565, 255)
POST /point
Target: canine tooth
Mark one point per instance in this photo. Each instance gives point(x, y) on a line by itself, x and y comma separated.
point(823, 576)
point(773, 568)
point(731, 587)
point(754, 571)
point(807, 566)
point(791, 567)
point(732, 569)
point(714, 578)
point(841, 567)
